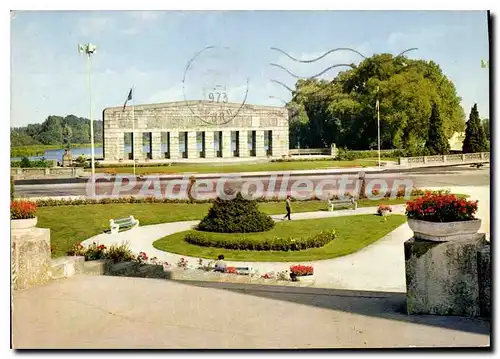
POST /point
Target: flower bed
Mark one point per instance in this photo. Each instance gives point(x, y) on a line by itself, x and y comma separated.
point(441, 207)
point(267, 244)
point(300, 270)
point(22, 210)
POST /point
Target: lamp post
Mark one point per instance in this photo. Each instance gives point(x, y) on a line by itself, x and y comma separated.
point(377, 107)
point(89, 49)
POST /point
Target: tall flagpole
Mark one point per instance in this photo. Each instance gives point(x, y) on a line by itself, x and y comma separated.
point(133, 126)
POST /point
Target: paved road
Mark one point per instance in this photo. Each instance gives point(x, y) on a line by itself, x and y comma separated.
point(116, 312)
point(421, 178)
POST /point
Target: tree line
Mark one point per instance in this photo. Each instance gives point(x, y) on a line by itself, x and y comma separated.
point(57, 130)
point(418, 106)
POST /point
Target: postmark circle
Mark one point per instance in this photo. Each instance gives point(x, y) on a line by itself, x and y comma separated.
point(213, 76)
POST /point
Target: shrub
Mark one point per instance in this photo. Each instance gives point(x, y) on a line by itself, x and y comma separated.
point(119, 253)
point(300, 270)
point(255, 244)
point(344, 154)
point(11, 188)
point(142, 258)
point(22, 210)
point(95, 251)
point(182, 263)
point(77, 250)
point(440, 207)
point(383, 207)
point(25, 163)
point(238, 215)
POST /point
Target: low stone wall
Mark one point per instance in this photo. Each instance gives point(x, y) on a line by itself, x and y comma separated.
point(49, 172)
point(465, 158)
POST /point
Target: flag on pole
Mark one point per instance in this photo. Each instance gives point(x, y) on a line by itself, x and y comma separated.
point(129, 97)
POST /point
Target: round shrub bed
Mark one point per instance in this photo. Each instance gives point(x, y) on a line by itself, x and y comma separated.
point(237, 215)
point(256, 244)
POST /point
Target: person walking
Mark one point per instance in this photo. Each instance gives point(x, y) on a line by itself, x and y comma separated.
point(288, 206)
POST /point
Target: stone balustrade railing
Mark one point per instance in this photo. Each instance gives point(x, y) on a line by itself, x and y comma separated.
point(480, 157)
point(49, 172)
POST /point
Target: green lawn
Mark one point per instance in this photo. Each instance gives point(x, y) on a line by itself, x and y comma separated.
point(73, 224)
point(245, 167)
point(352, 234)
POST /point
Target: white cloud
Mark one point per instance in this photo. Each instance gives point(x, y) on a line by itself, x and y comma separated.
point(92, 25)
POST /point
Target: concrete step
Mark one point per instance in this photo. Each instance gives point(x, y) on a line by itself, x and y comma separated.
point(64, 267)
point(96, 267)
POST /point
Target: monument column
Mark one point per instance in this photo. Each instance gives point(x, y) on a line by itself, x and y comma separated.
point(174, 145)
point(226, 144)
point(209, 144)
point(138, 154)
point(156, 145)
point(243, 143)
point(259, 143)
point(192, 148)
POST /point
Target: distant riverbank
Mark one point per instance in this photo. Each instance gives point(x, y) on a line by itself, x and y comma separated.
point(40, 150)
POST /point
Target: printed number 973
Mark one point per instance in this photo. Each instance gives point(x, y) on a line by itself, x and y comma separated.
point(217, 97)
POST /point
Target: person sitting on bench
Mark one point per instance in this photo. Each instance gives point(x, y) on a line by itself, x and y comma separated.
point(220, 265)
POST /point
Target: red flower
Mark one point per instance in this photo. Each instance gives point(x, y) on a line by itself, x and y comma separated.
point(22, 209)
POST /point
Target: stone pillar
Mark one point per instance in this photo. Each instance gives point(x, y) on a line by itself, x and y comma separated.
point(30, 257)
point(259, 143)
point(174, 145)
point(226, 144)
point(243, 144)
point(114, 150)
point(209, 144)
point(192, 147)
point(484, 268)
point(442, 277)
point(138, 154)
point(156, 145)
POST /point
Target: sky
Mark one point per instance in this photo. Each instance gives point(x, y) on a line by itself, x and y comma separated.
point(175, 56)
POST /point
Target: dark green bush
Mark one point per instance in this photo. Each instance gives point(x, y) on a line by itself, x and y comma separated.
point(256, 244)
point(11, 188)
point(344, 154)
point(238, 215)
point(25, 163)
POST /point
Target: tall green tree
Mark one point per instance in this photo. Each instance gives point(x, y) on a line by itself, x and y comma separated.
point(342, 110)
point(67, 135)
point(437, 143)
point(475, 139)
point(486, 128)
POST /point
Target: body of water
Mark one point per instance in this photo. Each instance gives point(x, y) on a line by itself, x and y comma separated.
point(86, 151)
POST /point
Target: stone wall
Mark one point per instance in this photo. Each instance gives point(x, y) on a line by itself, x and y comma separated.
point(192, 117)
point(49, 172)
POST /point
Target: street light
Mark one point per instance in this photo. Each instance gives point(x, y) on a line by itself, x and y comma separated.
point(377, 107)
point(89, 49)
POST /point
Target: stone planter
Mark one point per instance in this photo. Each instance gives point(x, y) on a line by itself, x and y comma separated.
point(444, 232)
point(385, 212)
point(16, 224)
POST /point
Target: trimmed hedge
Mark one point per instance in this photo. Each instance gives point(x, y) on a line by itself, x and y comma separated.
point(238, 215)
point(349, 155)
point(254, 244)
point(132, 199)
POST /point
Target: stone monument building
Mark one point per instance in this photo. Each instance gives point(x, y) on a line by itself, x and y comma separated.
point(193, 130)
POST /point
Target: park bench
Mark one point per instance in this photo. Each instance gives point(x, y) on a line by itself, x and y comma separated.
point(116, 224)
point(345, 203)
